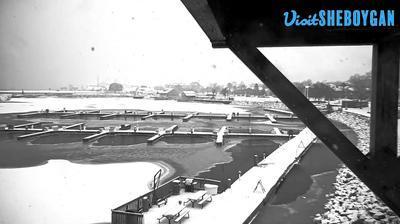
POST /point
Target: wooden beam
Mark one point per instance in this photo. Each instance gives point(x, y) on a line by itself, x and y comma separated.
point(379, 176)
point(384, 98)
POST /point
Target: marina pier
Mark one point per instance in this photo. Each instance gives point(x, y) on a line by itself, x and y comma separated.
point(256, 186)
point(239, 203)
point(144, 115)
point(79, 128)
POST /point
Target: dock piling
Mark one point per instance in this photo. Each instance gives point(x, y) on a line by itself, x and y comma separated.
point(255, 160)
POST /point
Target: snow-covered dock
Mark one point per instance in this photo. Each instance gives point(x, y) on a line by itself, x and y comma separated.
point(240, 202)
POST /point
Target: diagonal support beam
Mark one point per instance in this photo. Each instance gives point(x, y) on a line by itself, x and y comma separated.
point(378, 177)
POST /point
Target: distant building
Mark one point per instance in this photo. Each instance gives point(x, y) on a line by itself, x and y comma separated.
point(115, 87)
point(346, 103)
point(169, 93)
point(95, 88)
point(188, 95)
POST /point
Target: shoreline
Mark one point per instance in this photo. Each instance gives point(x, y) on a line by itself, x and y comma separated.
point(352, 201)
point(167, 172)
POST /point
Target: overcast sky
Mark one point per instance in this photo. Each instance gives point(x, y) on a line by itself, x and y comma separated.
point(48, 44)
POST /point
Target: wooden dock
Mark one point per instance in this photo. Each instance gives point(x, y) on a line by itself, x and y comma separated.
point(271, 118)
point(162, 133)
point(220, 136)
point(32, 114)
point(126, 129)
point(229, 117)
point(242, 201)
point(279, 111)
point(189, 116)
point(148, 116)
point(144, 115)
point(277, 131)
point(80, 125)
point(108, 116)
point(95, 136)
point(35, 134)
point(31, 125)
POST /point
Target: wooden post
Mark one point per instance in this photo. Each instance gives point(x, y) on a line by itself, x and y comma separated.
point(255, 160)
point(229, 182)
point(384, 99)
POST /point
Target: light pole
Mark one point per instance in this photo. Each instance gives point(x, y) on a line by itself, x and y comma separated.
point(307, 87)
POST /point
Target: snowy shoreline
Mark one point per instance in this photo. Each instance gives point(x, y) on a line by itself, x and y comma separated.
point(353, 201)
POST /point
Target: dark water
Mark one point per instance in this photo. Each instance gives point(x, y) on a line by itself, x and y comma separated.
point(302, 194)
point(186, 139)
point(59, 138)
point(122, 140)
point(15, 153)
point(245, 130)
point(243, 159)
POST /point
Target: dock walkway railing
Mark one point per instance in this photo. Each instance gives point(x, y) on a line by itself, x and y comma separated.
point(132, 211)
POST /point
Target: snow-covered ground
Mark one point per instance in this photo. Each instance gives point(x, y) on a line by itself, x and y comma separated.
point(64, 192)
point(57, 103)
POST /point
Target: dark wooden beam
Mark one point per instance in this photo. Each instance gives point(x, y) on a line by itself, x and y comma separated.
point(384, 98)
point(379, 176)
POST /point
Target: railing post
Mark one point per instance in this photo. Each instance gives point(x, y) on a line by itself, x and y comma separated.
point(255, 160)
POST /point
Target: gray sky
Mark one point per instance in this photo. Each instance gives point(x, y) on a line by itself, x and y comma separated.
point(47, 44)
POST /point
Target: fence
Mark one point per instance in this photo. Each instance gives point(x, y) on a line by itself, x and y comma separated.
point(132, 211)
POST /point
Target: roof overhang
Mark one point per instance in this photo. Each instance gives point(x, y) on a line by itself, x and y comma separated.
point(261, 23)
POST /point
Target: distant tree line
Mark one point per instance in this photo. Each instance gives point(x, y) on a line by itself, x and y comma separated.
point(356, 87)
point(231, 88)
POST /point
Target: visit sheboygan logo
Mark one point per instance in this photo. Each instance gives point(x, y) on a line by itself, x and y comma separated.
point(341, 18)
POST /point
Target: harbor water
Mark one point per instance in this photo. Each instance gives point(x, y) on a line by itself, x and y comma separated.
point(62, 162)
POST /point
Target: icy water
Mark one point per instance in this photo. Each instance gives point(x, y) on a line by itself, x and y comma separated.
point(303, 193)
point(39, 184)
point(242, 160)
point(46, 158)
